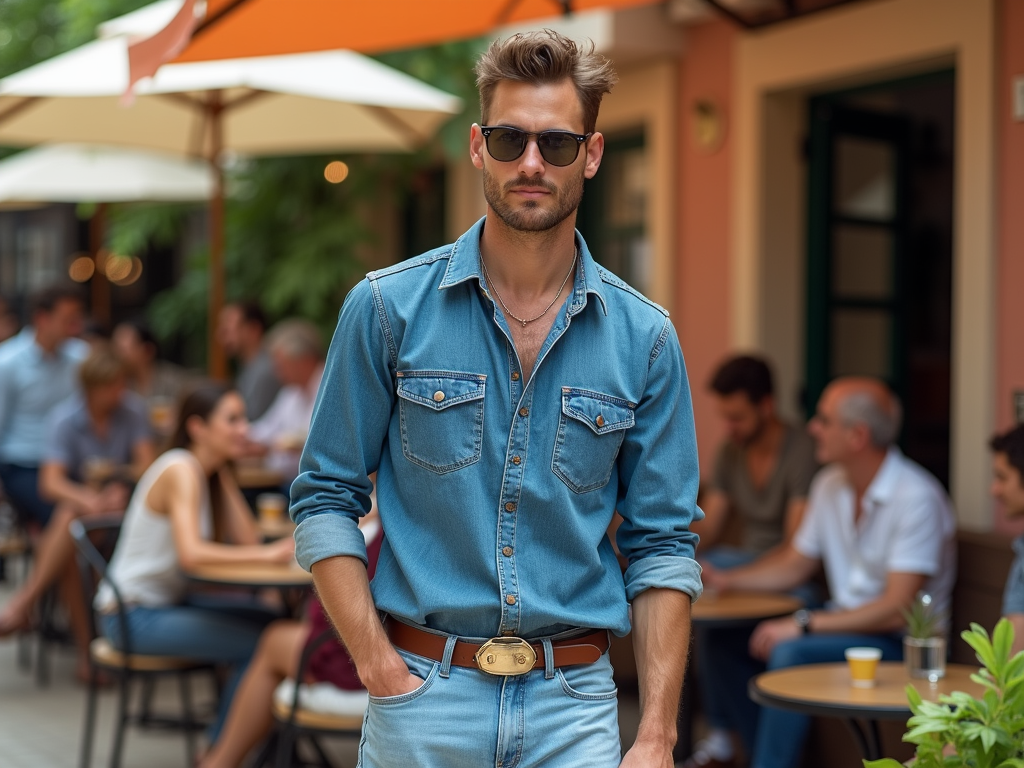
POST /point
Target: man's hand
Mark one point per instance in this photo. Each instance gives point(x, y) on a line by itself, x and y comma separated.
point(391, 678)
point(714, 580)
point(769, 634)
point(647, 755)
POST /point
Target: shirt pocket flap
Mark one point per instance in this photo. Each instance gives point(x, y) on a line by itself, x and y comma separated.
point(602, 413)
point(440, 389)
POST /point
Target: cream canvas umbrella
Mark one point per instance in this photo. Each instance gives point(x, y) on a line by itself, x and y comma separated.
point(289, 104)
point(83, 173)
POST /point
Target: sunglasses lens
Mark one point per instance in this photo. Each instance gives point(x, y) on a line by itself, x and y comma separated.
point(506, 144)
point(558, 148)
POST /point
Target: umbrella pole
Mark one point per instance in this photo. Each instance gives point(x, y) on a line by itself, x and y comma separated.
point(100, 287)
point(216, 363)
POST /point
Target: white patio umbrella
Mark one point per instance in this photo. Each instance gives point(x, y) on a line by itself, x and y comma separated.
point(291, 104)
point(85, 173)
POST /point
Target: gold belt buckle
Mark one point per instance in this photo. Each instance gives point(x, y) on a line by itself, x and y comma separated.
point(505, 656)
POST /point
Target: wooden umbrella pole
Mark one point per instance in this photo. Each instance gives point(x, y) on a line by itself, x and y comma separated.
point(216, 364)
point(100, 286)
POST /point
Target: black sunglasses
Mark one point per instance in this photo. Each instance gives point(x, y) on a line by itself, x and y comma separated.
point(559, 148)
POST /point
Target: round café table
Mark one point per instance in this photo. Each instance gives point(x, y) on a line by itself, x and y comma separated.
point(252, 575)
point(256, 477)
point(716, 610)
point(825, 690)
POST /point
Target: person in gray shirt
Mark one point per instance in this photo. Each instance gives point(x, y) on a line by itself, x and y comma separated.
point(240, 328)
point(1008, 489)
point(97, 445)
point(762, 475)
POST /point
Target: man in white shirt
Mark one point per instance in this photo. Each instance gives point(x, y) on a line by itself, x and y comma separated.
point(297, 350)
point(884, 530)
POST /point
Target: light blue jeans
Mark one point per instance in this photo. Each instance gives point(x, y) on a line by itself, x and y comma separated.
point(465, 718)
point(205, 629)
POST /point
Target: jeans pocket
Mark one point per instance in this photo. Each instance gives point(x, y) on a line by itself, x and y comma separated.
point(425, 669)
point(441, 414)
point(588, 682)
point(591, 428)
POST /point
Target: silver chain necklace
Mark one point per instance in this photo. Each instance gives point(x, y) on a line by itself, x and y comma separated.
point(509, 312)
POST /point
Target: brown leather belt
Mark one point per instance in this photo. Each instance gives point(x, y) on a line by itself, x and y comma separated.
point(573, 651)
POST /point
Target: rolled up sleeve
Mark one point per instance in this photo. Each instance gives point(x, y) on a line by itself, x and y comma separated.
point(347, 432)
point(658, 480)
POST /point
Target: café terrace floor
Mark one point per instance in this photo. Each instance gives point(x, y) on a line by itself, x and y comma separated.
point(41, 727)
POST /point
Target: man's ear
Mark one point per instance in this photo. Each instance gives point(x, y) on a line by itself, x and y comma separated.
point(595, 151)
point(476, 146)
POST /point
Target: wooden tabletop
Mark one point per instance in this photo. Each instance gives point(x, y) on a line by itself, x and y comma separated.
point(739, 608)
point(825, 689)
point(252, 575)
point(275, 529)
point(257, 476)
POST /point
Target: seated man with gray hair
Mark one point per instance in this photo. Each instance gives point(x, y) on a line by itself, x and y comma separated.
point(297, 351)
point(884, 530)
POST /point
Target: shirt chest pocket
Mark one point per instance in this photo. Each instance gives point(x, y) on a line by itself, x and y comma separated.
point(591, 427)
point(442, 418)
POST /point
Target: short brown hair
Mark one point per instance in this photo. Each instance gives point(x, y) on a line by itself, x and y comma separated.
point(103, 366)
point(546, 57)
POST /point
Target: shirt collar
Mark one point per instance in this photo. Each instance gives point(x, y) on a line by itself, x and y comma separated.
point(464, 264)
point(884, 483)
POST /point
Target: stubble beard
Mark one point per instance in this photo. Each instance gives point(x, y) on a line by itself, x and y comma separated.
point(530, 216)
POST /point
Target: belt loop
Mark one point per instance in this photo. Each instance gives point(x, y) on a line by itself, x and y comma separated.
point(446, 660)
point(549, 659)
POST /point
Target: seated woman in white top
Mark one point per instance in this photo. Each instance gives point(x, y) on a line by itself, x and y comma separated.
point(186, 512)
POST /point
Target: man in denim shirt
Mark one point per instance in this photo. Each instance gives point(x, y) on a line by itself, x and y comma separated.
point(511, 395)
point(1008, 489)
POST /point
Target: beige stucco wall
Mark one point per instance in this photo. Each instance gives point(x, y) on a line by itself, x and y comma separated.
point(866, 42)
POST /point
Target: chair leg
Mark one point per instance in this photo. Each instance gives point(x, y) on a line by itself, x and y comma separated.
point(188, 718)
point(85, 758)
point(285, 746)
point(325, 761)
point(122, 719)
point(146, 704)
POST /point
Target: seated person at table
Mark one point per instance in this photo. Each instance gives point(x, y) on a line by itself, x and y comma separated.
point(187, 512)
point(97, 444)
point(241, 328)
point(297, 350)
point(157, 381)
point(762, 475)
point(331, 676)
point(1008, 489)
point(884, 530)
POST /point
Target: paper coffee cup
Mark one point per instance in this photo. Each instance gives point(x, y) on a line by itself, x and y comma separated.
point(863, 666)
point(271, 507)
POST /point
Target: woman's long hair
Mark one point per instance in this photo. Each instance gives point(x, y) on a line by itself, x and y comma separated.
point(201, 401)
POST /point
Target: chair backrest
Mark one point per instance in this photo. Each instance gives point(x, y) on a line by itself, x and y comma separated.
point(94, 539)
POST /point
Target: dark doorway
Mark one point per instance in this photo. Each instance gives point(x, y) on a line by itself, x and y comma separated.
point(880, 249)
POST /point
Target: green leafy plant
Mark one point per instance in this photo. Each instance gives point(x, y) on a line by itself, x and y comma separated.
point(960, 731)
point(923, 621)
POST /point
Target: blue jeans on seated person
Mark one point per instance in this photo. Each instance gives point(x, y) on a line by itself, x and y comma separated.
point(464, 718)
point(21, 486)
point(774, 738)
point(205, 629)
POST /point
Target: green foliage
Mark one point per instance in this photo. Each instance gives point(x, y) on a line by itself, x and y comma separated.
point(983, 733)
point(923, 621)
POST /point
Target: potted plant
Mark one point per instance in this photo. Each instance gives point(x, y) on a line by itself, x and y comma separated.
point(924, 645)
point(960, 731)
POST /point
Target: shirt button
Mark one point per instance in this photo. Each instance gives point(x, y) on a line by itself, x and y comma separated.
point(599, 421)
point(506, 551)
point(510, 506)
point(438, 396)
point(515, 375)
point(510, 599)
point(516, 460)
point(524, 412)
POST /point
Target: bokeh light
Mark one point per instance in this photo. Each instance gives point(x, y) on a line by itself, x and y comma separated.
point(117, 267)
point(336, 172)
point(81, 269)
point(134, 272)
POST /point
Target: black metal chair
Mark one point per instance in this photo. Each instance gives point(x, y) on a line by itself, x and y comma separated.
point(294, 722)
point(126, 665)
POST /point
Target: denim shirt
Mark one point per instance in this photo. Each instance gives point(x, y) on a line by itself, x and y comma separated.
point(1013, 595)
point(496, 491)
